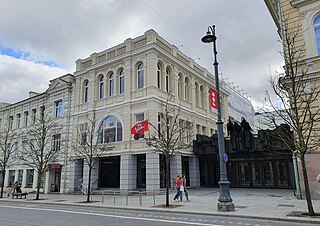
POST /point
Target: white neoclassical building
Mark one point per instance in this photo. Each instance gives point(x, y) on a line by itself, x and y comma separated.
point(123, 85)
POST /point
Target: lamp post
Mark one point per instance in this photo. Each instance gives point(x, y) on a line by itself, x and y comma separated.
point(225, 200)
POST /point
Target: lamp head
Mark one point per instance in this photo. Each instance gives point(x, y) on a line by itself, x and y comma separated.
point(210, 36)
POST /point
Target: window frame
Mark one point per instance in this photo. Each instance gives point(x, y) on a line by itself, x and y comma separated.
point(159, 72)
point(140, 76)
point(58, 108)
point(316, 29)
point(101, 87)
point(167, 87)
point(118, 133)
point(121, 81)
point(86, 91)
point(111, 84)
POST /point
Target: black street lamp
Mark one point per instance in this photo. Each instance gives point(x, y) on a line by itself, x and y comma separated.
point(225, 200)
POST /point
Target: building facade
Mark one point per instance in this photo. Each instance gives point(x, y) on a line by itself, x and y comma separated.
point(121, 86)
point(302, 17)
point(57, 103)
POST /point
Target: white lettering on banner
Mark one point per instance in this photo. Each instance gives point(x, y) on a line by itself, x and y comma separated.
point(214, 100)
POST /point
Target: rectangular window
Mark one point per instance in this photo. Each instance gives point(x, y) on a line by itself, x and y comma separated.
point(189, 132)
point(20, 176)
point(159, 125)
point(14, 150)
point(18, 120)
point(11, 177)
point(139, 118)
point(42, 110)
point(181, 132)
point(10, 122)
point(26, 118)
point(198, 129)
point(121, 84)
point(203, 130)
point(83, 135)
point(58, 108)
point(34, 116)
point(29, 181)
point(56, 142)
point(111, 86)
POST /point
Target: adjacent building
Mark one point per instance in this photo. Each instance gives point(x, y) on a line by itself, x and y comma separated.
point(302, 19)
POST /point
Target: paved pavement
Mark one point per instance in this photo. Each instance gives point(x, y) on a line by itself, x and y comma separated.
point(273, 204)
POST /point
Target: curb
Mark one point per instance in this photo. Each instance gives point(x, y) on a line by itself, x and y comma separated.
point(154, 209)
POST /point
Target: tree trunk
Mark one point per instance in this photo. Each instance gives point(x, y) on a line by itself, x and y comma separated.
point(38, 185)
point(3, 172)
point(167, 180)
point(89, 185)
point(306, 186)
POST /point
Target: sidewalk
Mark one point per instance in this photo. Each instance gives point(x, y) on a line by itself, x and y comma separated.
point(273, 204)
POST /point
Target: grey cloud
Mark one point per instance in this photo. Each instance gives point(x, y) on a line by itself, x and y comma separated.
point(64, 31)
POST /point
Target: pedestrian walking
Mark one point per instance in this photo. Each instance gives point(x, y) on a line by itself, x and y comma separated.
point(12, 189)
point(178, 186)
point(184, 183)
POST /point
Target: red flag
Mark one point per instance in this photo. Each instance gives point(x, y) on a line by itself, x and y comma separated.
point(140, 127)
point(214, 100)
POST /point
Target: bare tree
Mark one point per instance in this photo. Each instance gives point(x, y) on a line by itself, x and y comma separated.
point(88, 145)
point(7, 149)
point(172, 133)
point(296, 101)
point(40, 145)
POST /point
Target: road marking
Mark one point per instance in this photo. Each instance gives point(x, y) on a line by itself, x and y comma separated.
point(107, 215)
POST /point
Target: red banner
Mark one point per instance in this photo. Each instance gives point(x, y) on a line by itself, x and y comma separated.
point(214, 100)
point(140, 127)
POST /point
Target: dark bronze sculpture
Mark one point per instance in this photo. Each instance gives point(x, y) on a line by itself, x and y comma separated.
point(246, 135)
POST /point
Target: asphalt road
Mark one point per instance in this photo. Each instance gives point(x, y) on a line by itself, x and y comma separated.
point(25, 214)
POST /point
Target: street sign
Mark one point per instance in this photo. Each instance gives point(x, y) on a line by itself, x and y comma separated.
point(225, 157)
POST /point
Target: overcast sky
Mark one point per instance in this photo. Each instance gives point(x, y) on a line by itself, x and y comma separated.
point(40, 40)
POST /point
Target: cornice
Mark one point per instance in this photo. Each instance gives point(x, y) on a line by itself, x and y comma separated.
point(300, 3)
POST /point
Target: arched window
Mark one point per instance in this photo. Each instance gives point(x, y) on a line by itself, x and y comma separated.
point(316, 25)
point(197, 94)
point(179, 85)
point(159, 70)
point(140, 76)
point(110, 130)
point(201, 96)
point(101, 87)
point(167, 80)
point(186, 88)
point(85, 91)
point(111, 85)
point(121, 81)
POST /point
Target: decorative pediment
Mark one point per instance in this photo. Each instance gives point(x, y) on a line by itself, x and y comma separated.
point(60, 82)
point(56, 85)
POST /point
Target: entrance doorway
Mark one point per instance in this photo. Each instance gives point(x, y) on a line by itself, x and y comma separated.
point(109, 173)
point(185, 168)
point(141, 171)
point(55, 178)
point(209, 170)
